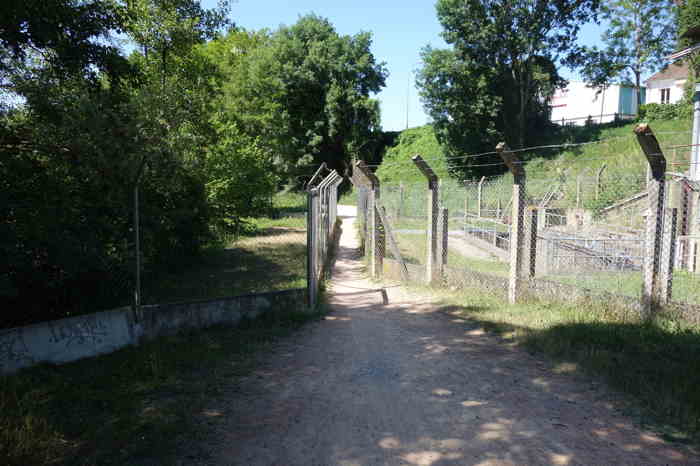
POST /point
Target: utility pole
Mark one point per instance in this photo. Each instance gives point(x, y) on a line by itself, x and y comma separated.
point(694, 171)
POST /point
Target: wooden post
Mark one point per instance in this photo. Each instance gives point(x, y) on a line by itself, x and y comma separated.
point(516, 231)
point(479, 196)
point(432, 208)
point(376, 233)
point(656, 188)
point(668, 256)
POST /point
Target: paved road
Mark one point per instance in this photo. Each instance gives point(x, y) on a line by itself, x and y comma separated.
point(406, 382)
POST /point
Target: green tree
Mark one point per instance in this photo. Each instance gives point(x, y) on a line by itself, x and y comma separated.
point(305, 91)
point(71, 147)
point(689, 35)
point(639, 34)
point(494, 81)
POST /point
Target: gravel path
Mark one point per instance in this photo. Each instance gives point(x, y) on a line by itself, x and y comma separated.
point(394, 379)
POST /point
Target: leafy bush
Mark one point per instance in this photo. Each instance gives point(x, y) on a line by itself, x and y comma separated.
point(397, 165)
point(654, 112)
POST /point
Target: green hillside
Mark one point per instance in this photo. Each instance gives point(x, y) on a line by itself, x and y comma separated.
point(586, 150)
point(397, 165)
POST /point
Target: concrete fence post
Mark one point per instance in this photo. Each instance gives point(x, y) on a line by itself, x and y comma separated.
point(432, 209)
point(656, 188)
point(517, 230)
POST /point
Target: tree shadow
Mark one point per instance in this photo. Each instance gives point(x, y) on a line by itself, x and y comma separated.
point(655, 362)
point(230, 272)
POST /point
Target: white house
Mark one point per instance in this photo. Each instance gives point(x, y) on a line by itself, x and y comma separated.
point(666, 86)
point(577, 103)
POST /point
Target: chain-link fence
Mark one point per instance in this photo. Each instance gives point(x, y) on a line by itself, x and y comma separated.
point(629, 236)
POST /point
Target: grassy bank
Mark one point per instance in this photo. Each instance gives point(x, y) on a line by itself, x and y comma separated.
point(655, 363)
point(134, 406)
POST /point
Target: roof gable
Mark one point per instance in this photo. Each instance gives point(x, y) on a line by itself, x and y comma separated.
point(677, 70)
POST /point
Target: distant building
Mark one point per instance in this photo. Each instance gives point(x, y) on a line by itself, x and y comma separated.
point(578, 104)
point(666, 86)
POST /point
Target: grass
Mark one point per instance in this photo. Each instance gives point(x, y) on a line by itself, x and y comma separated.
point(134, 406)
point(655, 362)
point(270, 255)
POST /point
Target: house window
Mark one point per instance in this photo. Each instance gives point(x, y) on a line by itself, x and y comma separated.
point(665, 96)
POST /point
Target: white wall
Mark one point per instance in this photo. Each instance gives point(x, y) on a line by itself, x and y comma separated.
point(654, 90)
point(577, 102)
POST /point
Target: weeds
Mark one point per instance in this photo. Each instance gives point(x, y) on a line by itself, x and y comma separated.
point(130, 407)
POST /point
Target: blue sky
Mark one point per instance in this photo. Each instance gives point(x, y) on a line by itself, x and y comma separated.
point(400, 29)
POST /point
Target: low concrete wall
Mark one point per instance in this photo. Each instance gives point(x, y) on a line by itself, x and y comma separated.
point(74, 338)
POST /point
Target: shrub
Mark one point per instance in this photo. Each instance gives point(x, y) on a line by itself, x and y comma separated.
point(653, 112)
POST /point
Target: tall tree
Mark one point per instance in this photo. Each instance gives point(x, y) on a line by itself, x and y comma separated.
point(639, 34)
point(305, 91)
point(495, 79)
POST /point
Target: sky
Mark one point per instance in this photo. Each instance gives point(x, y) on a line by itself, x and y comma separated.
point(400, 30)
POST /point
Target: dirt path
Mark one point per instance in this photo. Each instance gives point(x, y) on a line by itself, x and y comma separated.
point(406, 383)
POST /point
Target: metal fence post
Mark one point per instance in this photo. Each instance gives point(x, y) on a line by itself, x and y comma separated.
point(517, 235)
point(432, 209)
point(312, 249)
point(137, 240)
point(479, 198)
point(376, 232)
point(656, 187)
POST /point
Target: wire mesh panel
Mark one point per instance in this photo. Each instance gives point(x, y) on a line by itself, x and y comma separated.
point(406, 211)
point(573, 243)
point(479, 225)
point(684, 195)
